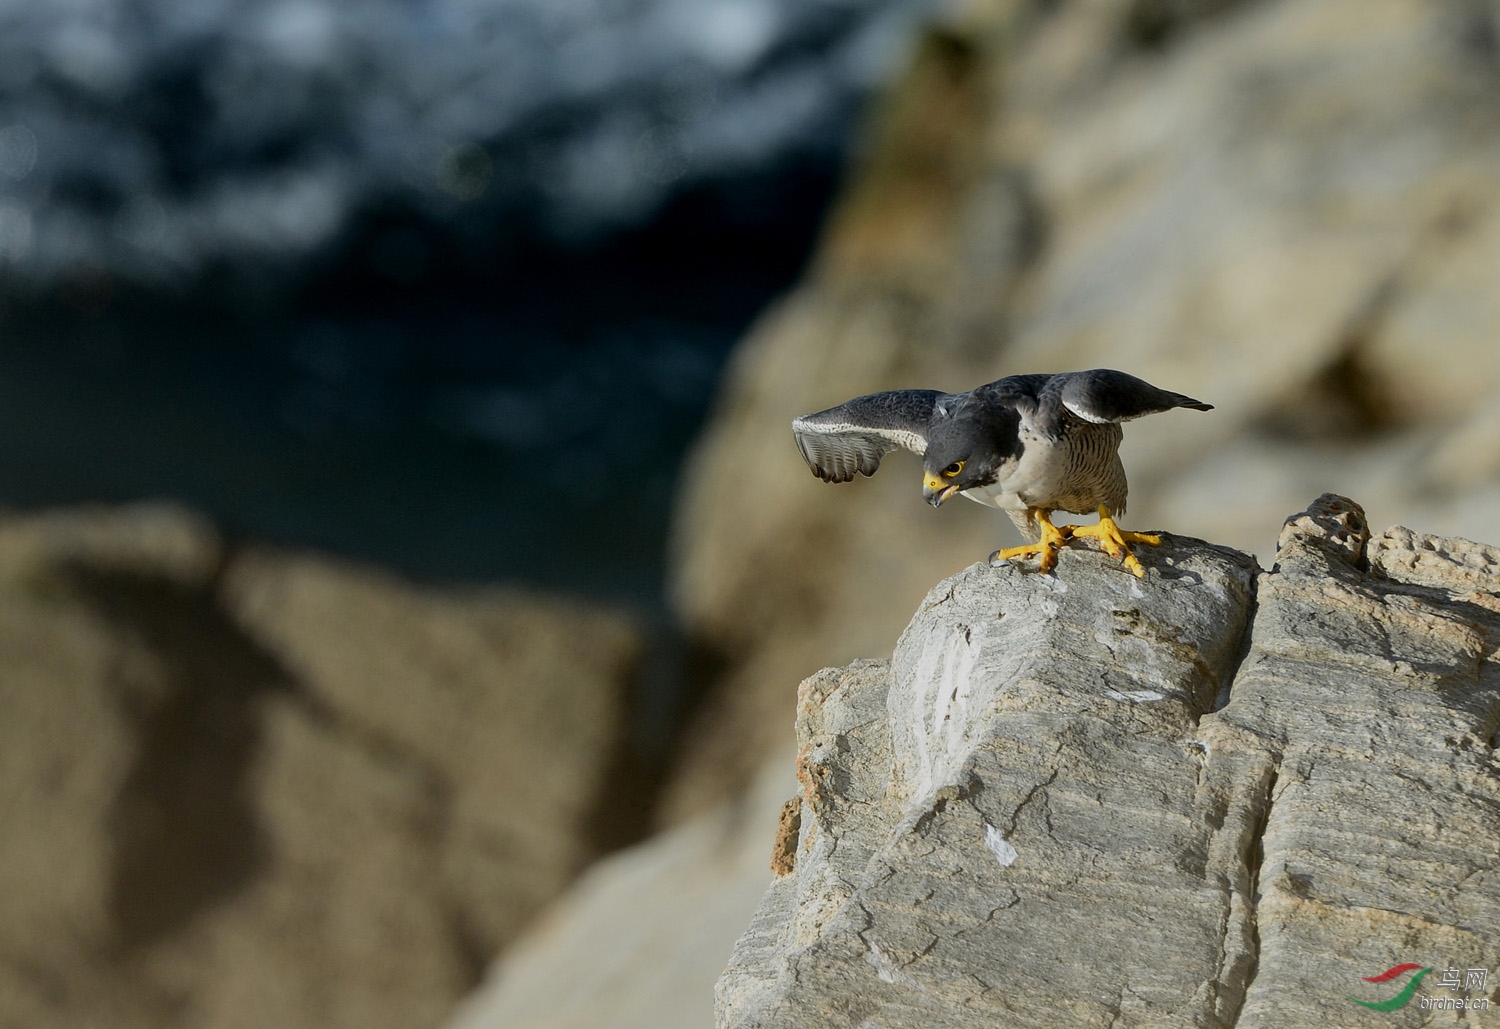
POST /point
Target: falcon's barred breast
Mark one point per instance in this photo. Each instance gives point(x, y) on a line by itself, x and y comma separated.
point(1027, 444)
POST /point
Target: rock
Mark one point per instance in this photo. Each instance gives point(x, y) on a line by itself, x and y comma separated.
point(1085, 799)
point(222, 769)
point(1373, 696)
point(1026, 762)
point(146, 539)
point(638, 942)
point(1282, 208)
point(1286, 234)
point(507, 709)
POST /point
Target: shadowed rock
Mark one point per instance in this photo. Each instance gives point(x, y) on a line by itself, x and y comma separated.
point(245, 787)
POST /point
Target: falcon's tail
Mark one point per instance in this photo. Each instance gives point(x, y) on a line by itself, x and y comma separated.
point(1025, 521)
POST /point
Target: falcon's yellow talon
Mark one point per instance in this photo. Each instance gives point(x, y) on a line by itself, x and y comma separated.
point(1053, 537)
point(1046, 552)
point(1113, 540)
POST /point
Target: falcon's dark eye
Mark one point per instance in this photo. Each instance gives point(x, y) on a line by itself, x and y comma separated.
point(953, 469)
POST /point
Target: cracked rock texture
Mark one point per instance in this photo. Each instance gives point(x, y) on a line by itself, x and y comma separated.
point(251, 788)
point(1215, 797)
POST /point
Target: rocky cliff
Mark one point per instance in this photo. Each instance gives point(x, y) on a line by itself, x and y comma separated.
point(1215, 797)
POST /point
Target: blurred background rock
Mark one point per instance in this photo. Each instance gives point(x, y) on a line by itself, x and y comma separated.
point(401, 316)
point(448, 287)
point(242, 787)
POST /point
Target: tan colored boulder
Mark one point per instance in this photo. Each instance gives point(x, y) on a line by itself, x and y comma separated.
point(255, 788)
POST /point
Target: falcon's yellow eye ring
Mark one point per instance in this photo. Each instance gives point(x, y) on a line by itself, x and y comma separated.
point(953, 469)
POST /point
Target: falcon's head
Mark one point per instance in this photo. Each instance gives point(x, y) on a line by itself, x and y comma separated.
point(968, 449)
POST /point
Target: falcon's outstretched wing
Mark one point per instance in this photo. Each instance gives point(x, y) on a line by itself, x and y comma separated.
point(853, 437)
point(1105, 395)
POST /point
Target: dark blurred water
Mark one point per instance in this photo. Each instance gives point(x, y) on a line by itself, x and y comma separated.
point(446, 286)
point(495, 416)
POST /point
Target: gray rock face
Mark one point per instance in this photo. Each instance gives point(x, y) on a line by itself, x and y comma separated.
point(1083, 800)
point(1368, 706)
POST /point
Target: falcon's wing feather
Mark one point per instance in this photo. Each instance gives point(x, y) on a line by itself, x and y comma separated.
point(851, 439)
point(1021, 392)
point(1105, 395)
point(1023, 395)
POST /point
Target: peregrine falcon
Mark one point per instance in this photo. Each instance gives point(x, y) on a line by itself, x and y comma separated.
point(1027, 444)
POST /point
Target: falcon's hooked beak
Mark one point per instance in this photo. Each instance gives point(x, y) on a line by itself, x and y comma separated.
point(935, 490)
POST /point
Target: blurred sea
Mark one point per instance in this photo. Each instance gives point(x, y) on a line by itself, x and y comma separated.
point(445, 285)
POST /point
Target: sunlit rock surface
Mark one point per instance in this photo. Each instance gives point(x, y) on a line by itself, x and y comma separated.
point(1080, 799)
point(250, 788)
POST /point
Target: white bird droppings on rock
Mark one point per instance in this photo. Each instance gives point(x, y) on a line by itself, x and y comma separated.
point(1003, 851)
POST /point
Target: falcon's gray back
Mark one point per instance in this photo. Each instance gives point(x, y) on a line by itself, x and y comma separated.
point(1099, 396)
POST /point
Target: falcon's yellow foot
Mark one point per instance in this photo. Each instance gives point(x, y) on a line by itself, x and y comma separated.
point(1045, 548)
point(1114, 539)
